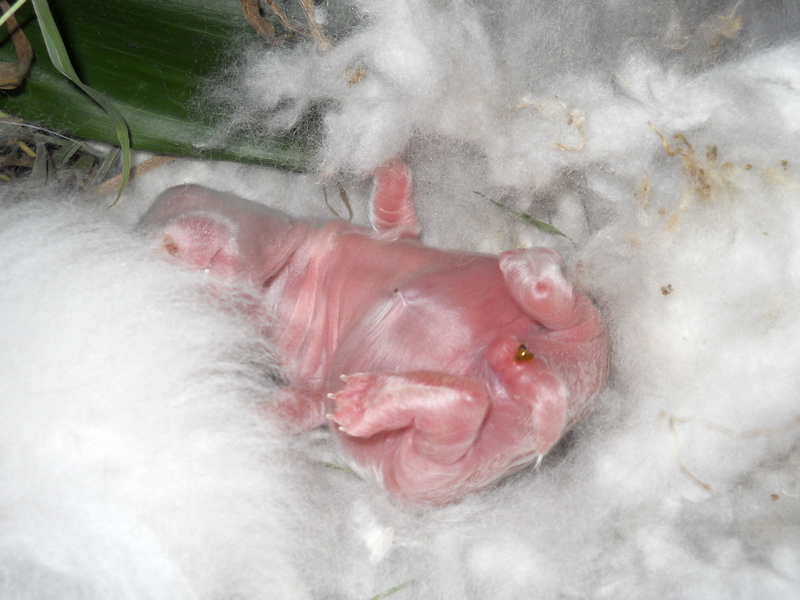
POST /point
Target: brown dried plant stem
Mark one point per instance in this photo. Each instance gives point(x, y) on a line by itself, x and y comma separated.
point(12, 74)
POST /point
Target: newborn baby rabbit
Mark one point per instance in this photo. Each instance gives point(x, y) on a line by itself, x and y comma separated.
point(439, 372)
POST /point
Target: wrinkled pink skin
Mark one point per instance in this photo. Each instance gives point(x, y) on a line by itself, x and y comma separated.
point(413, 353)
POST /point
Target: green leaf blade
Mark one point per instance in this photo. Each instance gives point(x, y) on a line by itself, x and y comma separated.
point(541, 225)
point(151, 59)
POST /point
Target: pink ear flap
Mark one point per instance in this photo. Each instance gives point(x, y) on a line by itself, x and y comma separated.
point(391, 210)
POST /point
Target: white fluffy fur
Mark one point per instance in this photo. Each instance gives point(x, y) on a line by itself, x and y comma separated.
point(133, 464)
point(133, 461)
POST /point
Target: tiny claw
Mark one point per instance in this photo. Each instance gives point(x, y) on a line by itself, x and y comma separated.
point(344, 377)
point(330, 416)
point(342, 429)
point(331, 396)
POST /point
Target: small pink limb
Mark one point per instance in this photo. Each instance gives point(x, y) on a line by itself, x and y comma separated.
point(444, 413)
point(391, 210)
point(535, 281)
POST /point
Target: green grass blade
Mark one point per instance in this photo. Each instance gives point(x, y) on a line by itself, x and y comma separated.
point(58, 55)
point(546, 227)
point(108, 162)
point(392, 591)
point(67, 149)
point(151, 59)
point(17, 5)
point(41, 166)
